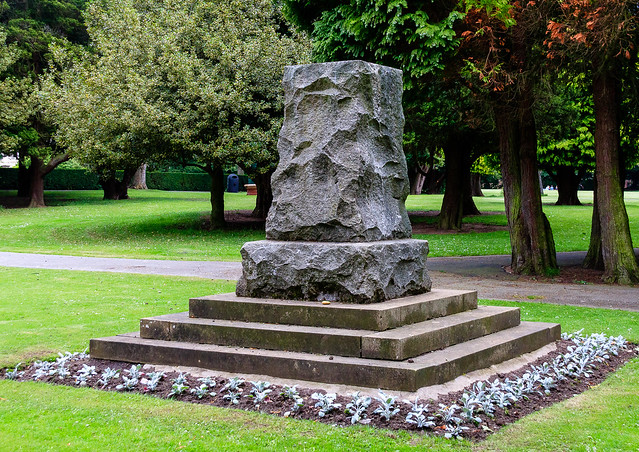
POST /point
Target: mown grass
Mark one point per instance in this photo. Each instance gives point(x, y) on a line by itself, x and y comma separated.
point(46, 311)
point(168, 225)
point(43, 417)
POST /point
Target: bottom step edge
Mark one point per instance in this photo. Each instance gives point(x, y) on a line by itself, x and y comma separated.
point(410, 375)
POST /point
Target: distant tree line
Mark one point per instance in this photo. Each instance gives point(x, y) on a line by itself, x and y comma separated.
point(491, 86)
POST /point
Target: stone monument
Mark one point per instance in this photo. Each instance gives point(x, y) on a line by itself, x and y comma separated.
point(338, 292)
point(338, 229)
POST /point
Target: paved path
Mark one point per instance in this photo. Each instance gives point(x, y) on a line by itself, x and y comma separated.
point(482, 273)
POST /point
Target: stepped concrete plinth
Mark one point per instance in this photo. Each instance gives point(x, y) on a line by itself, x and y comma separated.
point(428, 369)
point(397, 344)
point(338, 293)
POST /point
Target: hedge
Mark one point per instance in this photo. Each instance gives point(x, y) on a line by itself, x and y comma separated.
point(80, 179)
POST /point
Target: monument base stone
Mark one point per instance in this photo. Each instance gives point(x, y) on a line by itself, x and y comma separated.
point(365, 272)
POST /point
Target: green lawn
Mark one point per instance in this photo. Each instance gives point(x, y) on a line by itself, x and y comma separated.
point(46, 311)
point(168, 225)
point(43, 312)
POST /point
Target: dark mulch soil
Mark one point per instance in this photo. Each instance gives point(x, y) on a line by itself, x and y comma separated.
point(278, 405)
point(574, 274)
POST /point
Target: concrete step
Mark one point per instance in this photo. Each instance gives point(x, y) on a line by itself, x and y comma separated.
point(179, 327)
point(419, 338)
point(374, 317)
point(396, 344)
point(431, 368)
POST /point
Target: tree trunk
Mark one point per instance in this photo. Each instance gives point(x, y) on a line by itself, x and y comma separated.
point(264, 194)
point(37, 172)
point(418, 179)
point(620, 263)
point(217, 195)
point(138, 182)
point(115, 189)
point(568, 181)
point(452, 210)
point(531, 240)
point(594, 256)
point(458, 200)
point(468, 203)
point(475, 184)
point(36, 183)
point(23, 180)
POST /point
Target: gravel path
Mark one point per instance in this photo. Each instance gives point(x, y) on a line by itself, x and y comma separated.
point(482, 273)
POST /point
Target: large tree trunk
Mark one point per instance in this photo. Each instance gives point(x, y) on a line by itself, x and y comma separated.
point(531, 240)
point(36, 183)
point(264, 194)
point(568, 181)
point(138, 181)
point(594, 256)
point(217, 195)
point(458, 200)
point(115, 189)
point(37, 172)
point(23, 180)
point(451, 213)
point(620, 264)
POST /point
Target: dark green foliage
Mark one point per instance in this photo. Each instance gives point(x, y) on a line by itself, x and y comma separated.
point(81, 179)
point(413, 36)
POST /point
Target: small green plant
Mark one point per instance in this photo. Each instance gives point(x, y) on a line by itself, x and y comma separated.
point(357, 408)
point(447, 413)
point(418, 415)
point(291, 392)
point(107, 375)
point(177, 389)
point(232, 396)
point(84, 374)
point(152, 380)
point(135, 371)
point(208, 381)
point(325, 403)
point(130, 383)
point(233, 384)
point(386, 408)
point(202, 391)
point(181, 379)
point(259, 391)
point(14, 374)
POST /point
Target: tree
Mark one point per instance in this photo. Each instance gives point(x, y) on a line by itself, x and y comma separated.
point(199, 82)
point(499, 47)
point(566, 143)
point(31, 27)
point(603, 34)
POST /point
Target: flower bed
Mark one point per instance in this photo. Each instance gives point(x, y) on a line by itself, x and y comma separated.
point(578, 363)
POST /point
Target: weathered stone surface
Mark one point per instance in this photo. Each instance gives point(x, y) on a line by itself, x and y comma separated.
point(367, 272)
point(375, 316)
point(342, 173)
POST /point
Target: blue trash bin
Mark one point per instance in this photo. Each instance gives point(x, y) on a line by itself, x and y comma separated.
point(233, 183)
